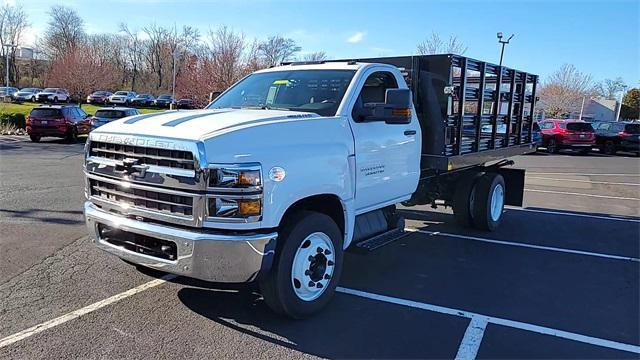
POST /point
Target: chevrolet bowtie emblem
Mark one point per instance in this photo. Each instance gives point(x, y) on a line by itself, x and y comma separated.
point(131, 167)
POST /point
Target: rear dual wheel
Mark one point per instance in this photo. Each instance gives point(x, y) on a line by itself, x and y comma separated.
point(479, 201)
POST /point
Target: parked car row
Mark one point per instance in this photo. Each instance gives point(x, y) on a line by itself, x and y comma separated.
point(607, 136)
point(124, 97)
point(36, 94)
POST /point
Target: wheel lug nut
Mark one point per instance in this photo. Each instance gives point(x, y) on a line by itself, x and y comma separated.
point(312, 284)
point(327, 276)
point(319, 286)
point(307, 272)
point(319, 249)
point(330, 263)
point(327, 252)
point(311, 258)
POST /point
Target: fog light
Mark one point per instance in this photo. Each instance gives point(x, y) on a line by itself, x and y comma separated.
point(249, 207)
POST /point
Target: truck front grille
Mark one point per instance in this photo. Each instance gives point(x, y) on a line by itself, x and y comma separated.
point(178, 159)
point(143, 199)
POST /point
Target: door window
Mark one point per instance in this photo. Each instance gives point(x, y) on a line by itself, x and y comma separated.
point(374, 90)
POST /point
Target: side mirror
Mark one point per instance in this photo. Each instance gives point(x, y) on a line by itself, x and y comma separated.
point(396, 108)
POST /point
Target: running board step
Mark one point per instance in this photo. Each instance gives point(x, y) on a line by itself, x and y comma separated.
point(380, 240)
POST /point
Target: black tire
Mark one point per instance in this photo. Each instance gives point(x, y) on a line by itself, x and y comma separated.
point(277, 287)
point(72, 135)
point(482, 205)
point(55, 99)
point(462, 200)
point(33, 99)
point(584, 151)
point(35, 138)
point(609, 148)
point(552, 146)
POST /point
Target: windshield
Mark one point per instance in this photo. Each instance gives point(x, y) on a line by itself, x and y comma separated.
point(579, 127)
point(164, 97)
point(316, 91)
point(45, 113)
point(98, 93)
point(50, 90)
point(121, 93)
point(110, 114)
point(632, 128)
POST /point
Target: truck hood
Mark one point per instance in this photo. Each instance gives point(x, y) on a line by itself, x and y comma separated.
point(199, 124)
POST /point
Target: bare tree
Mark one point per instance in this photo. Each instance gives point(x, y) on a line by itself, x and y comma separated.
point(80, 72)
point(434, 44)
point(277, 49)
point(562, 93)
point(65, 31)
point(227, 48)
point(133, 52)
point(155, 51)
point(610, 89)
point(315, 56)
point(13, 22)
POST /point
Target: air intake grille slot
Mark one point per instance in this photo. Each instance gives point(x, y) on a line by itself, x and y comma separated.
point(143, 199)
point(178, 159)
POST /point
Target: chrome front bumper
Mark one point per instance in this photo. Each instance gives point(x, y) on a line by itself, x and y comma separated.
point(202, 255)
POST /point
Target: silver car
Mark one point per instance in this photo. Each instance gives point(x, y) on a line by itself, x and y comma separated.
point(26, 94)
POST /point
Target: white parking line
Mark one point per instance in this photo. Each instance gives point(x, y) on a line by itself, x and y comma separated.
point(472, 339)
point(551, 212)
point(583, 181)
point(580, 174)
point(531, 246)
point(494, 320)
point(80, 312)
point(581, 194)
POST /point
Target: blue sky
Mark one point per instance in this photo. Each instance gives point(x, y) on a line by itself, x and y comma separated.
point(599, 37)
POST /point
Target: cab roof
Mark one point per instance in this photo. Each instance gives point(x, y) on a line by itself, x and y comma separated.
point(316, 65)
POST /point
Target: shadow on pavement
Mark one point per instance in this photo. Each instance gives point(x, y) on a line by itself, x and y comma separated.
point(348, 328)
point(42, 216)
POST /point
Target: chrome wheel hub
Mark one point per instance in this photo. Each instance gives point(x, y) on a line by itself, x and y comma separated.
point(313, 266)
point(497, 202)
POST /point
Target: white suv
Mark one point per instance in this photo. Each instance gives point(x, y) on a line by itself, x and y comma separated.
point(53, 95)
point(122, 97)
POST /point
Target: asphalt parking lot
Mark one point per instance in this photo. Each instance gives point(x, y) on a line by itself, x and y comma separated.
point(559, 279)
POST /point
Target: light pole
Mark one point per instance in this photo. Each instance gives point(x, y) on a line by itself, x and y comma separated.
point(624, 88)
point(9, 47)
point(173, 87)
point(503, 42)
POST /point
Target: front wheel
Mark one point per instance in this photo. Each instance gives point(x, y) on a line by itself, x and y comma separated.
point(72, 135)
point(307, 266)
point(609, 148)
point(488, 204)
point(35, 138)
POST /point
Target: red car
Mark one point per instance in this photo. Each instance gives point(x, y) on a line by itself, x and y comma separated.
point(63, 121)
point(567, 134)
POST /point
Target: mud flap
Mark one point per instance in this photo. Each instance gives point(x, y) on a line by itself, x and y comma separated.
point(514, 183)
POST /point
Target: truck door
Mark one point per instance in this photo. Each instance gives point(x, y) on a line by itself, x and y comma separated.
point(387, 156)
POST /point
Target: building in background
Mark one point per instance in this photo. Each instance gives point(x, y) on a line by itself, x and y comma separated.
point(24, 53)
point(599, 109)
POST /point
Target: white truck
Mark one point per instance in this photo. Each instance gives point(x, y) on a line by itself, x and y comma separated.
point(295, 164)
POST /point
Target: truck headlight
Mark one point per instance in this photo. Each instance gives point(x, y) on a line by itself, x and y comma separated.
point(239, 176)
point(235, 192)
point(229, 208)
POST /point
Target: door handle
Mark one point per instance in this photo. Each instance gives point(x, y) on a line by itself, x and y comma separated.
point(409, 132)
